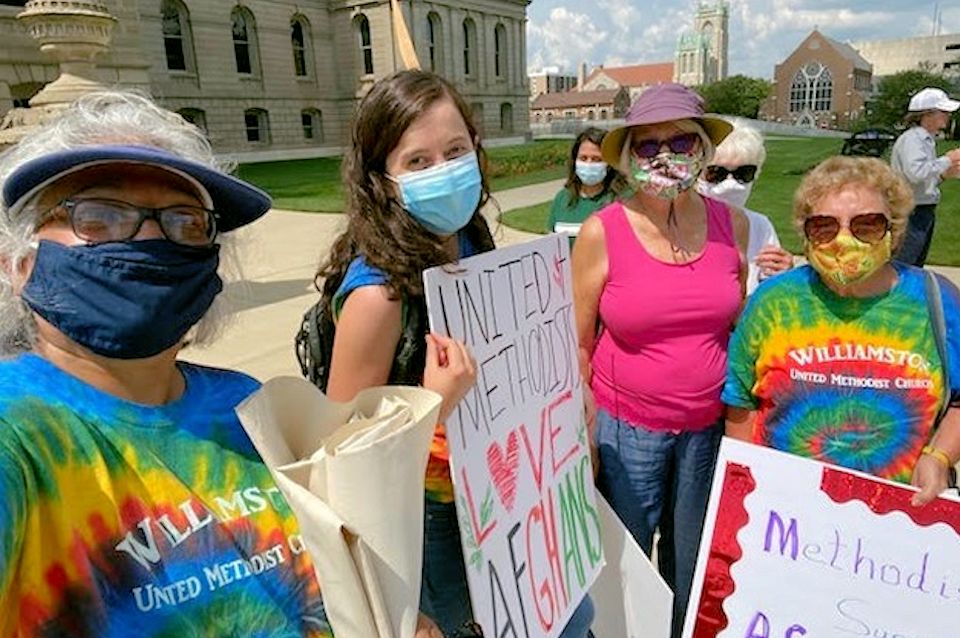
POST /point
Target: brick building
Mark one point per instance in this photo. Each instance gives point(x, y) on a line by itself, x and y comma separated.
point(605, 104)
point(551, 80)
point(823, 83)
point(635, 78)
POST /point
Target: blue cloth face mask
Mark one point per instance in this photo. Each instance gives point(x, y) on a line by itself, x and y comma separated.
point(123, 300)
point(591, 173)
point(444, 197)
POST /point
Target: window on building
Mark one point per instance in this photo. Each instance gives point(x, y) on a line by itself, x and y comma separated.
point(195, 116)
point(506, 117)
point(603, 114)
point(177, 46)
point(312, 121)
point(244, 32)
point(366, 43)
point(435, 41)
point(469, 46)
point(537, 117)
point(549, 117)
point(302, 46)
point(257, 124)
point(812, 89)
point(590, 114)
point(499, 50)
point(22, 92)
point(477, 109)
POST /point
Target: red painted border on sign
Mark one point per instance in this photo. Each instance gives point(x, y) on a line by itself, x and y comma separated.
point(725, 550)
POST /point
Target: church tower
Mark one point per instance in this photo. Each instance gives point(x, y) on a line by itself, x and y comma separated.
point(701, 56)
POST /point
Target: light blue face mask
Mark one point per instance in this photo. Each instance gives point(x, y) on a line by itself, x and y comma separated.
point(444, 197)
point(591, 173)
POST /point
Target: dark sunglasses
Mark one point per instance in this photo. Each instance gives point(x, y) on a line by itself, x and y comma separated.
point(743, 174)
point(98, 221)
point(683, 143)
point(867, 227)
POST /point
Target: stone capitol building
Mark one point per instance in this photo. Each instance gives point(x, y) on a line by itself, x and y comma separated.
point(270, 79)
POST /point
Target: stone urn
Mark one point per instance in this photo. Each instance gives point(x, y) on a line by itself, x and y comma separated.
point(73, 33)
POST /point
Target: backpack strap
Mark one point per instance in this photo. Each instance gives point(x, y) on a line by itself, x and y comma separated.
point(313, 344)
point(935, 306)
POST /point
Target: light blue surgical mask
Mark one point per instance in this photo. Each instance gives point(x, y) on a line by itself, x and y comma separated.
point(444, 197)
point(591, 173)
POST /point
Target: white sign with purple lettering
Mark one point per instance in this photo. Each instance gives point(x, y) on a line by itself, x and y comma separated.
point(519, 457)
point(795, 548)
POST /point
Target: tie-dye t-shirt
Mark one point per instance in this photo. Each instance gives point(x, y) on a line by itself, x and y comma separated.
point(119, 519)
point(853, 382)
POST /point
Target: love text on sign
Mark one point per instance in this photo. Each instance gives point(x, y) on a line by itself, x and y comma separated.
point(519, 453)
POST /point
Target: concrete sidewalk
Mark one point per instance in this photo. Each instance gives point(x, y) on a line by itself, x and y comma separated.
point(280, 254)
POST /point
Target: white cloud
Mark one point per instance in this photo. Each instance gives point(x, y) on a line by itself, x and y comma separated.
point(762, 32)
point(550, 44)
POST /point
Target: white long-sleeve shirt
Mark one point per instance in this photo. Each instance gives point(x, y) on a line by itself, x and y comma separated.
point(914, 156)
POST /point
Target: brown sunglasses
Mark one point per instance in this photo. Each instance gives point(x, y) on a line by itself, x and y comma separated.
point(867, 227)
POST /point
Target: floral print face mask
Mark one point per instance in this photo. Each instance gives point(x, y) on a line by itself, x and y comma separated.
point(846, 260)
point(666, 175)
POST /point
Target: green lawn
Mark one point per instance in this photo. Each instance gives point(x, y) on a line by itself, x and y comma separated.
point(787, 160)
point(315, 185)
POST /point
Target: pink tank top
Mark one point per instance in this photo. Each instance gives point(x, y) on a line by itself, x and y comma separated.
point(661, 356)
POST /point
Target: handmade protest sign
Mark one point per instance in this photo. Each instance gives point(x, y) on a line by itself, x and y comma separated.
point(518, 446)
point(793, 547)
point(630, 598)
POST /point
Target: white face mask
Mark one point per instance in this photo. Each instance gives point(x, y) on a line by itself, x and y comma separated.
point(729, 191)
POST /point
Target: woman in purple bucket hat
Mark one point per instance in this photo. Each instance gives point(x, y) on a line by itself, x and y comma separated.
point(662, 274)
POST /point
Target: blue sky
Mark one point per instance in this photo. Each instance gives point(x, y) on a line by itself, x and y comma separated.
point(762, 32)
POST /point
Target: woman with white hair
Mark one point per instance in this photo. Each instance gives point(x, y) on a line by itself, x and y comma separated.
point(131, 499)
point(729, 178)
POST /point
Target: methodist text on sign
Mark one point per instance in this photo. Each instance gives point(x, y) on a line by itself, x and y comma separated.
point(795, 548)
point(519, 453)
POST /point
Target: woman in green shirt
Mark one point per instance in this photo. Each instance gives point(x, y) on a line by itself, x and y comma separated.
point(591, 185)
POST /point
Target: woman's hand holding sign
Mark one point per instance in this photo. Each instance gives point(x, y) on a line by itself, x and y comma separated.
point(450, 371)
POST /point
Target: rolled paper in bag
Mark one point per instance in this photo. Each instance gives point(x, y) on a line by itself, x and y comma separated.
point(354, 475)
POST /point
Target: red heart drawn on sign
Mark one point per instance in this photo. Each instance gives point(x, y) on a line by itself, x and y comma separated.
point(504, 468)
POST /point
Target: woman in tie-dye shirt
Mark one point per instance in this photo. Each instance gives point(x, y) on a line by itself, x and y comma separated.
point(131, 500)
point(837, 360)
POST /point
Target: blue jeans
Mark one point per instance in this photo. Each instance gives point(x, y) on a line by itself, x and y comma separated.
point(444, 595)
point(919, 235)
point(655, 479)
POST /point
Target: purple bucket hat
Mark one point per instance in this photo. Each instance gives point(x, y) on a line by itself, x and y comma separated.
point(663, 103)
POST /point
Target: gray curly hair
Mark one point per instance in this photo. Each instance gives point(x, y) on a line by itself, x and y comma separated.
point(104, 117)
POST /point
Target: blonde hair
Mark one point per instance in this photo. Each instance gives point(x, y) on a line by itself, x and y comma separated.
point(838, 173)
point(684, 126)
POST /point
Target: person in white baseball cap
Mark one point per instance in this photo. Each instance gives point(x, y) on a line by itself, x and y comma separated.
point(914, 156)
point(932, 99)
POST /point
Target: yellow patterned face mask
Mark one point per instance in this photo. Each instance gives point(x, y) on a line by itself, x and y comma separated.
point(846, 260)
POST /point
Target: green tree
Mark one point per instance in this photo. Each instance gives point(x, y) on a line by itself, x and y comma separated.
point(893, 94)
point(736, 95)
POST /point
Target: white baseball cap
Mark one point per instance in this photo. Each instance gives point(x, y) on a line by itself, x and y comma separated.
point(930, 99)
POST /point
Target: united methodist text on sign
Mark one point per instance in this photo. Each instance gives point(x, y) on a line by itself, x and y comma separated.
point(795, 548)
point(519, 456)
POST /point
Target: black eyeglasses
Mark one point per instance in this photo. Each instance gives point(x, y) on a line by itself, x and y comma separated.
point(744, 174)
point(683, 143)
point(98, 221)
point(867, 227)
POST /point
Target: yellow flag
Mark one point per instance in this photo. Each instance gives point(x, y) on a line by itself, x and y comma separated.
point(402, 36)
